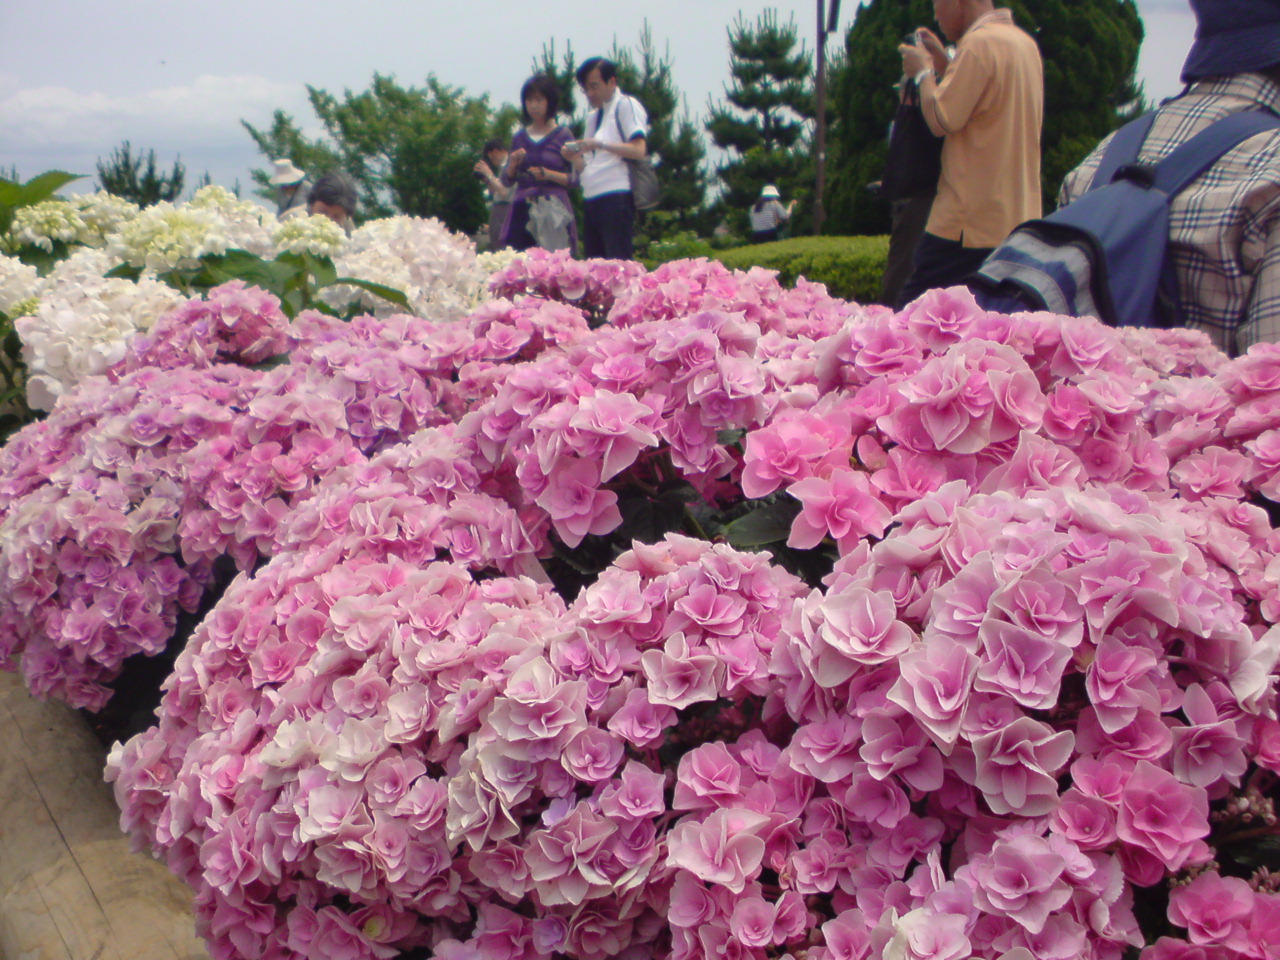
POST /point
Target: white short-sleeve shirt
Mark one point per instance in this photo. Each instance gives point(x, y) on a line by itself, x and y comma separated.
point(620, 121)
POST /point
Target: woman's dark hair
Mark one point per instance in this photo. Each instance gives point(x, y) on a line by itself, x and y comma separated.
point(550, 90)
point(335, 189)
point(492, 145)
point(759, 204)
point(608, 70)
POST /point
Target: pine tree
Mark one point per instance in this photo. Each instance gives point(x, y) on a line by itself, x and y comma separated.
point(137, 178)
point(562, 71)
point(766, 124)
point(1090, 52)
point(674, 142)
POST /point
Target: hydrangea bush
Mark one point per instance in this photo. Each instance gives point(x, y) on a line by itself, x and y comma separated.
point(1002, 685)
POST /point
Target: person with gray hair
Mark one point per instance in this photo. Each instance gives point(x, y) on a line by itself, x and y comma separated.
point(334, 196)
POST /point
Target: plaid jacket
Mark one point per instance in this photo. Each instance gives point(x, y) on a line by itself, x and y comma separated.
point(1224, 229)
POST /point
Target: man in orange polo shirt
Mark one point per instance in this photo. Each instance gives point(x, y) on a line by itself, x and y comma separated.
point(988, 102)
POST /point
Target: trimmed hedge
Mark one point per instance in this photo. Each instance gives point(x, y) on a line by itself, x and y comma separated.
point(851, 267)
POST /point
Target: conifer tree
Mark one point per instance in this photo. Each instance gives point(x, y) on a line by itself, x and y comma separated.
point(674, 141)
point(765, 125)
point(137, 179)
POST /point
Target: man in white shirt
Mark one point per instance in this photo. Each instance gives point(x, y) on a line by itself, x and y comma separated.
point(616, 132)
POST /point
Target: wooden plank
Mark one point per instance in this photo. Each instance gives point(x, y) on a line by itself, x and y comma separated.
point(70, 889)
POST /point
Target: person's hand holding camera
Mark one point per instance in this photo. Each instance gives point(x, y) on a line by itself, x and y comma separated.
point(924, 53)
point(514, 159)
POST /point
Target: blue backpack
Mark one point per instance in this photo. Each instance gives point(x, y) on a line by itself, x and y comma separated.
point(1105, 254)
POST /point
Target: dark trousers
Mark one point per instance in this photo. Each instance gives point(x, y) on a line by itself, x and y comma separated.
point(908, 218)
point(940, 263)
point(609, 226)
point(518, 235)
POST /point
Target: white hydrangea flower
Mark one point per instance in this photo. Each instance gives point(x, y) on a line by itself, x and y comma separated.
point(42, 223)
point(86, 265)
point(103, 214)
point(247, 225)
point(82, 325)
point(490, 262)
point(316, 235)
point(164, 237)
point(437, 270)
point(19, 286)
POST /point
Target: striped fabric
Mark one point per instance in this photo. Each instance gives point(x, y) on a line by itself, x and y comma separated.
point(768, 216)
point(1224, 229)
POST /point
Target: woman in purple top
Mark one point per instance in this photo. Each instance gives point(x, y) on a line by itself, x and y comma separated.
point(535, 164)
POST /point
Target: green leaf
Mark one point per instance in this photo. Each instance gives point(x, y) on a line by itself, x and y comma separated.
point(727, 437)
point(321, 268)
point(126, 271)
point(293, 303)
point(386, 293)
point(279, 360)
point(44, 186)
point(43, 260)
point(768, 524)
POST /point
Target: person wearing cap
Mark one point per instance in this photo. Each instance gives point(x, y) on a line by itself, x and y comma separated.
point(767, 214)
point(987, 102)
point(1224, 227)
point(291, 188)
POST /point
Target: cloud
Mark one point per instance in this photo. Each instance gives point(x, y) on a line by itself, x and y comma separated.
point(206, 111)
point(55, 127)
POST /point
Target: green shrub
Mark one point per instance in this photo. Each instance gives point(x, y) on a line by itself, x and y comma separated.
point(851, 267)
point(685, 245)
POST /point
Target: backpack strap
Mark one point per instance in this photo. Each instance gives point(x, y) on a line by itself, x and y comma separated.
point(1123, 149)
point(1203, 150)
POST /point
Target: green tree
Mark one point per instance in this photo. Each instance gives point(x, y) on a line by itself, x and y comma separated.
point(766, 123)
point(137, 178)
point(409, 149)
point(285, 140)
point(1090, 52)
point(674, 141)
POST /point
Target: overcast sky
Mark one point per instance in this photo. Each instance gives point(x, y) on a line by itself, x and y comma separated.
point(78, 77)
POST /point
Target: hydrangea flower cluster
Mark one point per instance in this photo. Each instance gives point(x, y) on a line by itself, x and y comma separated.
point(571, 423)
point(165, 237)
point(82, 323)
point(592, 285)
point(90, 564)
point(684, 287)
point(234, 323)
point(1038, 682)
point(470, 751)
point(248, 226)
point(316, 235)
point(436, 269)
point(19, 287)
point(42, 224)
point(222, 453)
point(103, 214)
point(991, 645)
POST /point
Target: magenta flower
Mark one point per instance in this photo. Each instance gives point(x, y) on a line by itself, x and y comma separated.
point(844, 507)
point(726, 848)
point(1163, 817)
point(1017, 766)
point(1022, 879)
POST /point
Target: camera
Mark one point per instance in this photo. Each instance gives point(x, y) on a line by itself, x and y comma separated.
point(912, 38)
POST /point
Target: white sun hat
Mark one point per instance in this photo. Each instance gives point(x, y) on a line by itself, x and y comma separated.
point(286, 173)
